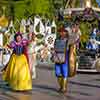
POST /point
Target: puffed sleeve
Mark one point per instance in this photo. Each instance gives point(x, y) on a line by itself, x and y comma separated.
point(12, 44)
point(25, 42)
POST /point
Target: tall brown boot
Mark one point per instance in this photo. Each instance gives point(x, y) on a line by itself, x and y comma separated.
point(64, 85)
point(60, 83)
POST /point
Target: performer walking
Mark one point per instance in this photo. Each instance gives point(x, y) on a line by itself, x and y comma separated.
point(64, 56)
point(17, 72)
point(61, 67)
point(73, 44)
point(32, 54)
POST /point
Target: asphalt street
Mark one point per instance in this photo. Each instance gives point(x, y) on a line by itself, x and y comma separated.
point(45, 87)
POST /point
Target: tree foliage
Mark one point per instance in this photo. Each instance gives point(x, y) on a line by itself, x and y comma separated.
point(24, 8)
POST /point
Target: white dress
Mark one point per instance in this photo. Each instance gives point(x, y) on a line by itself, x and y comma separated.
point(32, 58)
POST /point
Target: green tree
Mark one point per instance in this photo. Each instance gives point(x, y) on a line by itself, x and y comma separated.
point(28, 7)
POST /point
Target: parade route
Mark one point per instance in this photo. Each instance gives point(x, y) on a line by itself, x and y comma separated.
point(56, 42)
point(80, 87)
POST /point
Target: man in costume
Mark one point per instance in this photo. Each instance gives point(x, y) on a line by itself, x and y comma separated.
point(67, 68)
point(61, 69)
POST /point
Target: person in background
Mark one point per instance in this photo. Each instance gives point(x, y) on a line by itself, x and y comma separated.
point(73, 44)
point(44, 53)
point(93, 44)
point(32, 54)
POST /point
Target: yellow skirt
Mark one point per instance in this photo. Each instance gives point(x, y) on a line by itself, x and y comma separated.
point(17, 73)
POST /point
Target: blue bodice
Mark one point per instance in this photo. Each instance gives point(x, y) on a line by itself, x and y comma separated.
point(18, 50)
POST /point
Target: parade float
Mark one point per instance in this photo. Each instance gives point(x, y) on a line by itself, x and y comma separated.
point(88, 16)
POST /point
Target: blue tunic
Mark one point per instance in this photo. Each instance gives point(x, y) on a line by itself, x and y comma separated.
point(62, 69)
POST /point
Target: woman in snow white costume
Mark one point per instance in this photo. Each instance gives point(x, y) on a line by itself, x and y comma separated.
point(17, 73)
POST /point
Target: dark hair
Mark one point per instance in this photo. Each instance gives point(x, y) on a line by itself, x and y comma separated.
point(16, 35)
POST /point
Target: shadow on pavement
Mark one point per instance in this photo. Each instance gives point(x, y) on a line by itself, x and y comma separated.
point(80, 93)
point(6, 93)
point(46, 67)
point(44, 88)
point(85, 84)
